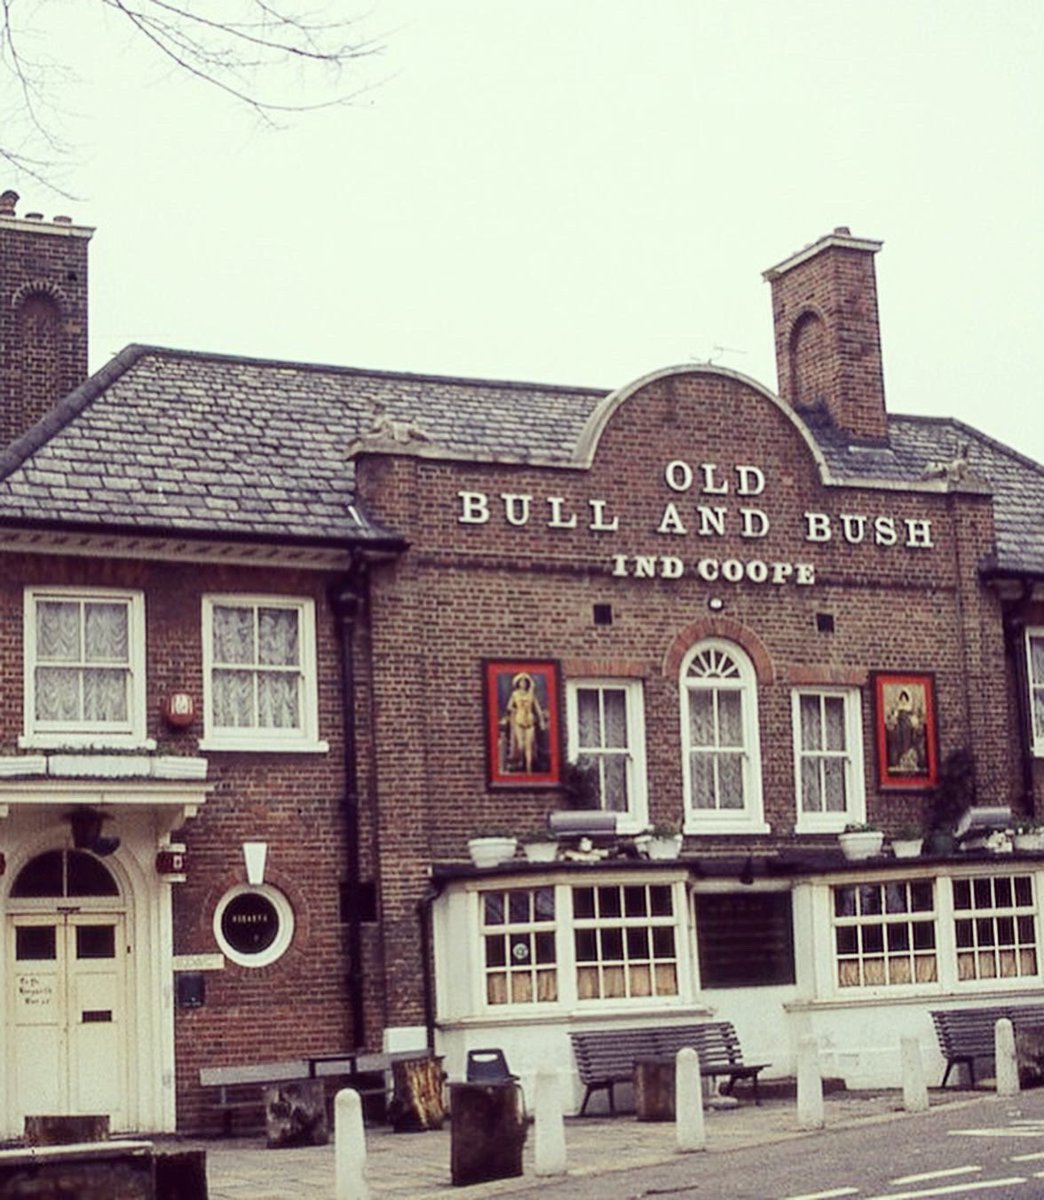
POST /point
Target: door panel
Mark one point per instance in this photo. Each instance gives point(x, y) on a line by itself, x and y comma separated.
point(68, 1005)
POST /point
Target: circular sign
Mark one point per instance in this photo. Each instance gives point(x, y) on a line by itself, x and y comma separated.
point(250, 923)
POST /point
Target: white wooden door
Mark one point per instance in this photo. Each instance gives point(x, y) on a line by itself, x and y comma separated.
point(67, 1009)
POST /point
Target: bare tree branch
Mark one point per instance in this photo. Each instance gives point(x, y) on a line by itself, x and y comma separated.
point(242, 48)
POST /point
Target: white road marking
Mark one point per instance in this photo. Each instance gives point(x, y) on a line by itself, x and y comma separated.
point(1034, 1157)
point(997, 1133)
point(842, 1191)
point(955, 1189)
point(925, 1176)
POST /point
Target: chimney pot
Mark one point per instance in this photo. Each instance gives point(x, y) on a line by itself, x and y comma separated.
point(62, 220)
point(34, 216)
point(7, 202)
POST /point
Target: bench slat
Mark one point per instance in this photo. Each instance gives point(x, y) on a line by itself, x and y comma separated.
point(967, 1034)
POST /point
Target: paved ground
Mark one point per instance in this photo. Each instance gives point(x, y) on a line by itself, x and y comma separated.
point(417, 1166)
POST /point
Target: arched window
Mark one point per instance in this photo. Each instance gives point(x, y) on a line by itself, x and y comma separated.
point(721, 755)
point(61, 874)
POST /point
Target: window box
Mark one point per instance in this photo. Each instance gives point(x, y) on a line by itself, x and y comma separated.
point(857, 844)
point(491, 850)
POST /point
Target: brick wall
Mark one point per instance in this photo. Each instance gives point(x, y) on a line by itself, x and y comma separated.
point(43, 316)
point(465, 592)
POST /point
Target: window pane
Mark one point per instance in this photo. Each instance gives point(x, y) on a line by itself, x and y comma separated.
point(1037, 659)
point(701, 718)
point(661, 902)
point(95, 941)
point(589, 732)
point(614, 784)
point(493, 906)
point(703, 790)
point(811, 793)
point(730, 719)
point(518, 907)
point(834, 710)
point(609, 902)
point(233, 634)
point(105, 695)
point(57, 631)
point(583, 902)
point(811, 724)
point(57, 694)
point(278, 637)
point(106, 633)
point(834, 784)
point(615, 718)
point(730, 780)
point(35, 943)
point(279, 701)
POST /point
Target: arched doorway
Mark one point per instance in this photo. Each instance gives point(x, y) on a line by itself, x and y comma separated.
point(68, 966)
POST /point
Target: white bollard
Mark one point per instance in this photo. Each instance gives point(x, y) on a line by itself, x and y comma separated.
point(349, 1147)
point(1006, 1058)
point(688, 1102)
point(809, 1085)
point(549, 1145)
point(915, 1088)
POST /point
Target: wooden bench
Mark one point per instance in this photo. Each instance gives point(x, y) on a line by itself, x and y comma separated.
point(242, 1088)
point(605, 1058)
point(966, 1034)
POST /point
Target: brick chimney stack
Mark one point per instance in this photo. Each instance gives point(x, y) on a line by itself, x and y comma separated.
point(43, 314)
point(828, 337)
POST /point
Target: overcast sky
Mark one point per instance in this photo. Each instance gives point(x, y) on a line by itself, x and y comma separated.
point(580, 191)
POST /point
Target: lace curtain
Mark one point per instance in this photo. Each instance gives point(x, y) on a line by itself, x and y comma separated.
point(83, 661)
point(257, 667)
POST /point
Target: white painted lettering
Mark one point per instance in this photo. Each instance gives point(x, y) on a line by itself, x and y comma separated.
point(732, 570)
point(781, 572)
point(755, 523)
point(806, 574)
point(712, 520)
point(853, 528)
point(671, 567)
point(757, 571)
point(918, 534)
point(474, 508)
point(599, 522)
point(712, 486)
point(707, 569)
point(751, 481)
point(678, 475)
point(671, 521)
point(558, 521)
point(885, 532)
point(645, 566)
point(516, 508)
point(619, 564)
point(817, 527)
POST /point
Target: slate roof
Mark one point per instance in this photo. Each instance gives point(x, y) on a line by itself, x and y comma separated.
point(195, 443)
point(191, 443)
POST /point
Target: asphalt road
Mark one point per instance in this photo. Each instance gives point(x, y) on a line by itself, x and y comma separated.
point(992, 1149)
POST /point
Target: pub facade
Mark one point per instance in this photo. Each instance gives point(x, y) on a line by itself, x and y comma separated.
point(280, 640)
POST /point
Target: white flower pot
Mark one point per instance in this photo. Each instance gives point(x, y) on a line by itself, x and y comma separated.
point(491, 851)
point(862, 843)
point(1029, 841)
point(665, 847)
point(540, 851)
point(907, 847)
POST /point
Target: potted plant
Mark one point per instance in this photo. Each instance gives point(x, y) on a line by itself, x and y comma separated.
point(908, 842)
point(861, 841)
point(539, 846)
point(1029, 835)
point(664, 840)
point(491, 847)
point(581, 786)
point(954, 794)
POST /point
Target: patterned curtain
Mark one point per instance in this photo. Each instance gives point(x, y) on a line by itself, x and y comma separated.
point(91, 641)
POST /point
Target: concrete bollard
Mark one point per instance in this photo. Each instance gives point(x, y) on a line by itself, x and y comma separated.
point(809, 1085)
point(549, 1144)
point(1006, 1058)
point(349, 1147)
point(915, 1088)
point(689, 1128)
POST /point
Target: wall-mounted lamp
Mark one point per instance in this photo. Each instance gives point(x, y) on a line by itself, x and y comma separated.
point(254, 855)
point(86, 825)
point(715, 604)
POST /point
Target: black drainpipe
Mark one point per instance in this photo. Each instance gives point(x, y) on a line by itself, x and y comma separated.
point(1014, 635)
point(347, 597)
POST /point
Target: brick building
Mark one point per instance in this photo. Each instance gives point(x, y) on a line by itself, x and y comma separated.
point(292, 634)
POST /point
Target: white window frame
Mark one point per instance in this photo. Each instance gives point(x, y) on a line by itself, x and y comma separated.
point(131, 734)
point(750, 818)
point(301, 739)
point(636, 817)
point(852, 757)
point(944, 916)
point(459, 940)
point(1035, 687)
